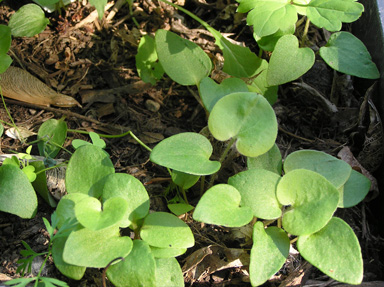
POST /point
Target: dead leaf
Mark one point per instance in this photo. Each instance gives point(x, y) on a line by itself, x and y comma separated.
point(20, 85)
point(19, 134)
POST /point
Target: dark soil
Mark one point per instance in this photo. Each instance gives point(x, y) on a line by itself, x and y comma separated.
point(98, 58)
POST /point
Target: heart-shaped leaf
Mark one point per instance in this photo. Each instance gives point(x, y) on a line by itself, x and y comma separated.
point(271, 161)
point(28, 21)
point(354, 190)
point(132, 190)
point(17, 195)
point(186, 152)
point(70, 271)
point(165, 230)
point(95, 249)
point(286, 55)
point(268, 43)
point(184, 180)
point(220, 205)
point(40, 183)
point(347, 54)
point(211, 92)
point(247, 117)
point(66, 207)
point(168, 273)
point(333, 169)
point(5, 62)
point(52, 134)
point(330, 14)
point(183, 61)
point(312, 200)
point(335, 250)
point(258, 191)
point(269, 251)
point(268, 16)
point(167, 252)
point(179, 208)
point(87, 170)
point(92, 215)
point(260, 86)
point(137, 269)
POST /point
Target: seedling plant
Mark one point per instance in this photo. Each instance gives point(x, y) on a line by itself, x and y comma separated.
point(290, 203)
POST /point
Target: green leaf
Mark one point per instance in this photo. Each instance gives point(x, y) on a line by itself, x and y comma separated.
point(186, 152)
point(40, 183)
point(13, 160)
point(5, 62)
point(260, 86)
point(126, 186)
point(19, 282)
point(168, 273)
point(354, 190)
point(52, 134)
point(66, 207)
point(137, 268)
point(347, 54)
point(184, 180)
point(333, 169)
point(167, 252)
point(1, 130)
point(335, 250)
point(147, 64)
point(271, 160)
point(99, 5)
point(87, 170)
point(268, 43)
point(179, 208)
point(268, 16)
point(183, 61)
point(312, 200)
point(69, 270)
point(330, 14)
point(29, 171)
point(17, 195)
point(269, 251)
point(92, 215)
point(247, 117)
point(28, 21)
point(89, 248)
point(220, 205)
point(95, 138)
point(165, 230)
point(258, 191)
point(5, 39)
point(286, 55)
point(211, 92)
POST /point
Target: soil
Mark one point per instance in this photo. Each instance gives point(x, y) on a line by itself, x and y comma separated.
point(94, 62)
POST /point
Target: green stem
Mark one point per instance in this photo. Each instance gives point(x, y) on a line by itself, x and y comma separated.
point(42, 267)
point(184, 195)
point(49, 168)
point(306, 28)
point(115, 136)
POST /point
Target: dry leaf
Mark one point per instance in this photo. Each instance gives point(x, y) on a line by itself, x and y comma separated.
point(20, 85)
point(14, 133)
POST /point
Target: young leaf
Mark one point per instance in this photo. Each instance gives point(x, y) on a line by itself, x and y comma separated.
point(137, 268)
point(87, 170)
point(220, 205)
point(258, 191)
point(333, 169)
point(17, 195)
point(28, 21)
point(183, 61)
point(95, 138)
point(29, 171)
point(165, 230)
point(69, 270)
point(126, 186)
point(335, 250)
point(330, 14)
point(147, 65)
point(19, 282)
point(52, 134)
point(52, 282)
point(354, 190)
point(168, 272)
point(92, 215)
point(286, 55)
point(347, 54)
point(99, 5)
point(186, 152)
point(268, 16)
point(271, 161)
point(312, 200)
point(179, 208)
point(211, 92)
point(269, 251)
point(184, 180)
point(89, 248)
point(40, 183)
point(247, 117)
